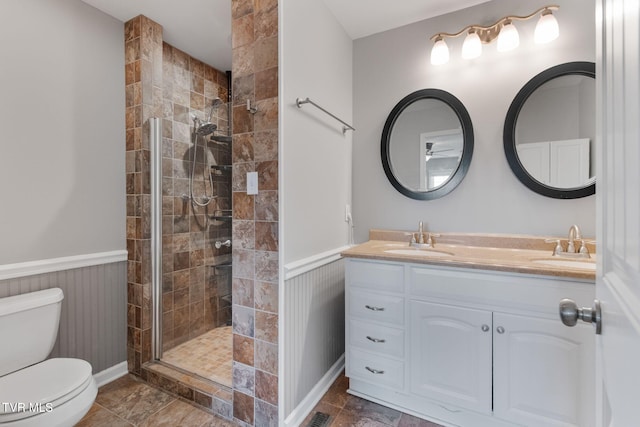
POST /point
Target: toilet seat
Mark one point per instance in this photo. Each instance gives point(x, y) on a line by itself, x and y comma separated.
point(42, 387)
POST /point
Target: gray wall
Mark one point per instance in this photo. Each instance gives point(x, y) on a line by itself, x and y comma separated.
point(93, 316)
point(390, 65)
point(62, 115)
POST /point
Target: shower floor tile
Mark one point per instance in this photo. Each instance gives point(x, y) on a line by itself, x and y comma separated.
point(208, 355)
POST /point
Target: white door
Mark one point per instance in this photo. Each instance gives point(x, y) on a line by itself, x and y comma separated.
point(618, 212)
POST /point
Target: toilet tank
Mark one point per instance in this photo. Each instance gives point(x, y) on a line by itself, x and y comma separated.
point(28, 328)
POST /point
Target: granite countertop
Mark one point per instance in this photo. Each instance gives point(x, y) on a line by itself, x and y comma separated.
point(499, 252)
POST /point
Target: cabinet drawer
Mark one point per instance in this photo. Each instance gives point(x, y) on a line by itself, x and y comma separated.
point(378, 307)
point(376, 275)
point(376, 338)
point(375, 369)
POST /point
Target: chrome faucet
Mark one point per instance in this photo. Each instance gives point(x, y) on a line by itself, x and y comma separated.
point(574, 234)
point(418, 239)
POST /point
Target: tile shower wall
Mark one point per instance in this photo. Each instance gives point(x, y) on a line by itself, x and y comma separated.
point(162, 81)
point(196, 295)
point(255, 218)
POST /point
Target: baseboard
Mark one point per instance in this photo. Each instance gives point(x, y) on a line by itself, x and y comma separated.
point(111, 374)
point(301, 411)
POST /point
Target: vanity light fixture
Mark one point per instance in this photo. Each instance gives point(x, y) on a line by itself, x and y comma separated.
point(503, 30)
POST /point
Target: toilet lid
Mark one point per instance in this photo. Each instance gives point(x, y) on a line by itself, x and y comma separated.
point(41, 387)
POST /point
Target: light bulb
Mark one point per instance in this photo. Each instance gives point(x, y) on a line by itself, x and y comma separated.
point(508, 38)
point(546, 28)
point(440, 52)
point(472, 46)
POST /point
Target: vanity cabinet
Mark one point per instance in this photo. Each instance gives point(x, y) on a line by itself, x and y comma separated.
point(468, 347)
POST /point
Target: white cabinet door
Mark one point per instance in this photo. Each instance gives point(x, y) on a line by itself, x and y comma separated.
point(543, 372)
point(450, 354)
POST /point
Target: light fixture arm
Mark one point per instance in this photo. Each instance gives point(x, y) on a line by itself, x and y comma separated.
point(488, 33)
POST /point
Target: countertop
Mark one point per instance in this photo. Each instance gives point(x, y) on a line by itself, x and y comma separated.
point(509, 253)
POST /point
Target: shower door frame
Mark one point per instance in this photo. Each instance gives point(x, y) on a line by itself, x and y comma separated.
point(155, 146)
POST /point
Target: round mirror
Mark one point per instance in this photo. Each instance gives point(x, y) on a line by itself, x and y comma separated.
point(549, 132)
point(427, 144)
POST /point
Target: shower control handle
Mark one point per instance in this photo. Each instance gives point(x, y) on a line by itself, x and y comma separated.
point(220, 244)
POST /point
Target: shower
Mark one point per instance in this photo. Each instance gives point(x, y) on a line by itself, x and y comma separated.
point(202, 129)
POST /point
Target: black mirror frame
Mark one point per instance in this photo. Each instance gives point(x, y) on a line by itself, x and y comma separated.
point(467, 150)
point(509, 136)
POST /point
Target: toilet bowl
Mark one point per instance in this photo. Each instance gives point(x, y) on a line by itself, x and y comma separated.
point(35, 392)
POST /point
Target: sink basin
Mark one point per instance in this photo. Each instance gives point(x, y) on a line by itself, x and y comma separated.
point(419, 252)
point(586, 265)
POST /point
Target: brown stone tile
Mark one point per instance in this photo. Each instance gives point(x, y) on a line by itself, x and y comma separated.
point(243, 407)
point(267, 115)
point(267, 175)
point(350, 419)
point(242, 119)
point(197, 67)
point(266, 206)
point(178, 413)
point(265, 54)
point(101, 417)
point(371, 410)
point(266, 387)
point(243, 60)
point(243, 349)
point(132, 28)
point(243, 148)
point(132, 400)
point(266, 326)
point(243, 206)
point(266, 266)
point(410, 421)
point(266, 296)
point(242, 32)
point(243, 292)
point(240, 8)
point(265, 20)
point(266, 235)
point(266, 356)
point(132, 50)
point(243, 234)
point(243, 89)
point(197, 101)
point(266, 84)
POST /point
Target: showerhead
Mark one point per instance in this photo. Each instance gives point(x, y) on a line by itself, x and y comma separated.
point(216, 102)
point(206, 129)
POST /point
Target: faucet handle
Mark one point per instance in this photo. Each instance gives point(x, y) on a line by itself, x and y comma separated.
point(558, 249)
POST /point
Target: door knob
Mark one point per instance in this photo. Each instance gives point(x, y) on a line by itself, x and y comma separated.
point(570, 313)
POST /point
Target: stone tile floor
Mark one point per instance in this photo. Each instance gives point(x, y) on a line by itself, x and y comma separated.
point(128, 402)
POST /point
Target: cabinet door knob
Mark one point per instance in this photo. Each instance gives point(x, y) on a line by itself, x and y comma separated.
point(372, 308)
point(375, 339)
point(374, 371)
point(500, 330)
point(485, 328)
point(570, 313)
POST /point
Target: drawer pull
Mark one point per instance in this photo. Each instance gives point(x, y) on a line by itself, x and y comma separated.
point(375, 339)
point(374, 371)
point(374, 308)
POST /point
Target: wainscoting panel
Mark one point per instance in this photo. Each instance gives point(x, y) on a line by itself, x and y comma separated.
point(314, 329)
point(93, 322)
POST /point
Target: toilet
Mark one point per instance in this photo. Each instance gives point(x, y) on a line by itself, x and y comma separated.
point(35, 392)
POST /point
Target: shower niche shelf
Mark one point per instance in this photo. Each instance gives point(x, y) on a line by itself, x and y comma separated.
point(222, 215)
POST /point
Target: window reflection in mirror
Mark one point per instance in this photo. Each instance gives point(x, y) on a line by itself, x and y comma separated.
point(426, 145)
